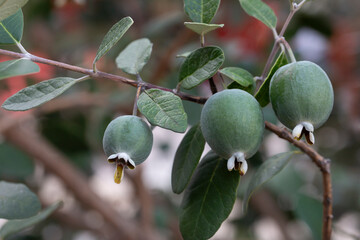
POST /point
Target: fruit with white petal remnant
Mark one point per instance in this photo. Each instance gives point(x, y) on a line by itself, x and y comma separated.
point(127, 142)
point(233, 125)
point(302, 97)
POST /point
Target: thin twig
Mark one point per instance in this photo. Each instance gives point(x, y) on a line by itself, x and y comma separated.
point(324, 166)
point(294, 8)
point(101, 75)
point(212, 85)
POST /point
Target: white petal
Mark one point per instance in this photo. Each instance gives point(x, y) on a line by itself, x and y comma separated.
point(231, 163)
point(308, 126)
point(296, 133)
point(312, 137)
point(131, 163)
point(124, 156)
point(239, 156)
point(244, 167)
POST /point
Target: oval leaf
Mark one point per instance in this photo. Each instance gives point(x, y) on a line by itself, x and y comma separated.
point(250, 89)
point(239, 75)
point(17, 201)
point(200, 65)
point(209, 198)
point(14, 226)
point(187, 158)
point(163, 109)
point(260, 11)
point(17, 67)
point(11, 28)
point(201, 11)
point(310, 211)
point(262, 96)
point(202, 28)
point(38, 94)
point(10, 7)
point(113, 36)
point(134, 57)
point(266, 171)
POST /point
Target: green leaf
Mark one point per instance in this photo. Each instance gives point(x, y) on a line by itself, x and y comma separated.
point(163, 109)
point(250, 89)
point(200, 65)
point(113, 36)
point(14, 226)
point(187, 158)
point(38, 94)
point(17, 201)
point(11, 28)
point(202, 28)
point(266, 171)
point(310, 211)
point(262, 96)
point(201, 11)
point(209, 198)
point(239, 75)
point(261, 11)
point(10, 7)
point(134, 57)
point(17, 67)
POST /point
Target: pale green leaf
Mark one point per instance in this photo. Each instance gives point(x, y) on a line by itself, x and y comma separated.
point(14, 226)
point(10, 7)
point(209, 198)
point(134, 57)
point(201, 11)
point(262, 96)
point(261, 11)
point(113, 36)
point(163, 109)
point(202, 28)
point(17, 67)
point(11, 28)
point(38, 94)
point(266, 171)
point(17, 201)
point(310, 210)
point(187, 158)
point(200, 65)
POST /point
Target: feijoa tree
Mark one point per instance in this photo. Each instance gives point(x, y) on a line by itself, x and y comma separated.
point(231, 122)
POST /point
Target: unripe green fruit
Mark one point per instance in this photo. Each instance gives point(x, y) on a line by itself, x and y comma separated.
point(302, 97)
point(233, 125)
point(127, 142)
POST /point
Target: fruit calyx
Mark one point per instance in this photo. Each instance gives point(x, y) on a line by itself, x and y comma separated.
point(121, 160)
point(237, 161)
point(304, 128)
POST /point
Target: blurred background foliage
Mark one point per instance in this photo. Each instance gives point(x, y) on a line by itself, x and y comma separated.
point(288, 207)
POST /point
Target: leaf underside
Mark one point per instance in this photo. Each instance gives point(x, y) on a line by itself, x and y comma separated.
point(17, 67)
point(11, 28)
point(10, 7)
point(38, 94)
point(266, 172)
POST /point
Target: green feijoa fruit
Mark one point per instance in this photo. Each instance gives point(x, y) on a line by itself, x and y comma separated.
point(302, 97)
point(233, 125)
point(127, 142)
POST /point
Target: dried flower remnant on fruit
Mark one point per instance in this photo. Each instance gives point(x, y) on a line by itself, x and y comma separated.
point(127, 142)
point(238, 162)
